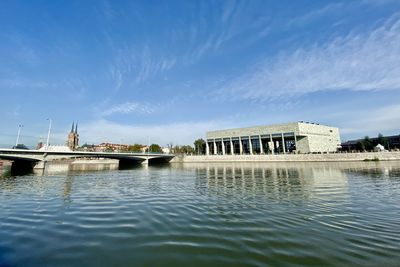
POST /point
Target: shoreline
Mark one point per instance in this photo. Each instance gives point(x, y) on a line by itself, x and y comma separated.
point(333, 157)
point(5, 167)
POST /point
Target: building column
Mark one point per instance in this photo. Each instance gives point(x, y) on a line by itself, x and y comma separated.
point(215, 148)
point(207, 148)
point(231, 143)
point(272, 144)
point(250, 146)
point(295, 142)
point(283, 144)
point(223, 147)
point(261, 146)
point(240, 146)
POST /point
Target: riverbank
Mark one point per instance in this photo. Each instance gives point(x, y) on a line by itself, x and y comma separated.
point(5, 167)
point(334, 157)
point(65, 165)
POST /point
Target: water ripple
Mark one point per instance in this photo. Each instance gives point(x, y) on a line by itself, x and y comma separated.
point(204, 215)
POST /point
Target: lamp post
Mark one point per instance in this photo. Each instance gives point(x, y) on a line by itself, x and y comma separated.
point(19, 132)
point(48, 134)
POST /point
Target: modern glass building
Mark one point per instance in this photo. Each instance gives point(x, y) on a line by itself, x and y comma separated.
point(296, 137)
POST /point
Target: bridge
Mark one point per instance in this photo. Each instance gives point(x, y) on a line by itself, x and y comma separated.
point(35, 157)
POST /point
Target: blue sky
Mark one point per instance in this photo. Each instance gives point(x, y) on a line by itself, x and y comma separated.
point(171, 70)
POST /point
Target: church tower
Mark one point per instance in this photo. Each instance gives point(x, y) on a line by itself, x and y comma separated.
point(73, 137)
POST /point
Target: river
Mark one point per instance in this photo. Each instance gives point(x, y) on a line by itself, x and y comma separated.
point(233, 214)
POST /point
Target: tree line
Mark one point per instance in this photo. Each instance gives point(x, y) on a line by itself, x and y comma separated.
point(199, 148)
point(368, 144)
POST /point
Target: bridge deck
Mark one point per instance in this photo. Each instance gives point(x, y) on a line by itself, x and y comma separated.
point(39, 155)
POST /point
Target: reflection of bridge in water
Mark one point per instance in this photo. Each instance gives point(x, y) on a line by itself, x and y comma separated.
point(38, 158)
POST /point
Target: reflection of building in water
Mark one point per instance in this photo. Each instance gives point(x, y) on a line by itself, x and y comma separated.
point(385, 169)
point(275, 179)
point(303, 180)
point(69, 180)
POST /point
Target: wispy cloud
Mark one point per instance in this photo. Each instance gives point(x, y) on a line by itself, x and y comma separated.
point(133, 66)
point(356, 62)
point(383, 119)
point(130, 107)
point(17, 82)
point(227, 21)
point(316, 14)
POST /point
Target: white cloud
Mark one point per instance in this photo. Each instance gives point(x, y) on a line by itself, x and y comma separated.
point(134, 66)
point(356, 62)
point(383, 119)
point(163, 134)
point(316, 14)
point(129, 107)
point(17, 82)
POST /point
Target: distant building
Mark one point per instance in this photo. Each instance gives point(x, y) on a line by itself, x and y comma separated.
point(110, 147)
point(298, 137)
point(73, 137)
point(39, 145)
point(87, 147)
point(392, 142)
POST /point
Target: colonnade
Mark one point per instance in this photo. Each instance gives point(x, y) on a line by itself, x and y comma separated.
point(265, 144)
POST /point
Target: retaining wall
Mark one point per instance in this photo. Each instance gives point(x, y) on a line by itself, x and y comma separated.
point(5, 167)
point(334, 157)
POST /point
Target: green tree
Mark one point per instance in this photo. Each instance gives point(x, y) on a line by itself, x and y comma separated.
point(360, 146)
point(155, 148)
point(187, 149)
point(368, 144)
point(183, 150)
point(135, 148)
point(109, 149)
point(383, 141)
point(200, 146)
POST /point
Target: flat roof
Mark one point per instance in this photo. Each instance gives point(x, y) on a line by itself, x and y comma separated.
point(270, 125)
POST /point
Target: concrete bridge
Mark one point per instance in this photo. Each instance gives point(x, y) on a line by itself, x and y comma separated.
point(38, 158)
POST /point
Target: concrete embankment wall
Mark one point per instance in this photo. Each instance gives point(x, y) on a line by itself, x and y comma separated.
point(94, 165)
point(66, 165)
point(336, 157)
point(5, 167)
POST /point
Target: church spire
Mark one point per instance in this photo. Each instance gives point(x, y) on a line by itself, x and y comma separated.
point(72, 128)
point(76, 128)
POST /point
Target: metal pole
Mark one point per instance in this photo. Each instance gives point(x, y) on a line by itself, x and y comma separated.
point(19, 131)
point(48, 134)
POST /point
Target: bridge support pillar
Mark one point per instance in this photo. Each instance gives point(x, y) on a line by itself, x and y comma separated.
point(145, 162)
point(40, 165)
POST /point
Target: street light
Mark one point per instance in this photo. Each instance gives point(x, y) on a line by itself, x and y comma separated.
point(19, 132)
point(48, 134)
point(148, 144)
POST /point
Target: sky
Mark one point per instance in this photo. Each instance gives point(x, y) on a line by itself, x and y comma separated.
point(169, 71)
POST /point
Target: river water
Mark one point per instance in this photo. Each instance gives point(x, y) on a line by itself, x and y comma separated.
point(305, 214)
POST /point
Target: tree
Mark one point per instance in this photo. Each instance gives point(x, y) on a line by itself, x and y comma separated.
point(200, 146)
point(368, 144)
point(135, 148)
point(109, 149)
point(183, 150)
point(360, 146)
point(187, 149)
point(155, 148)
point(383, 141)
